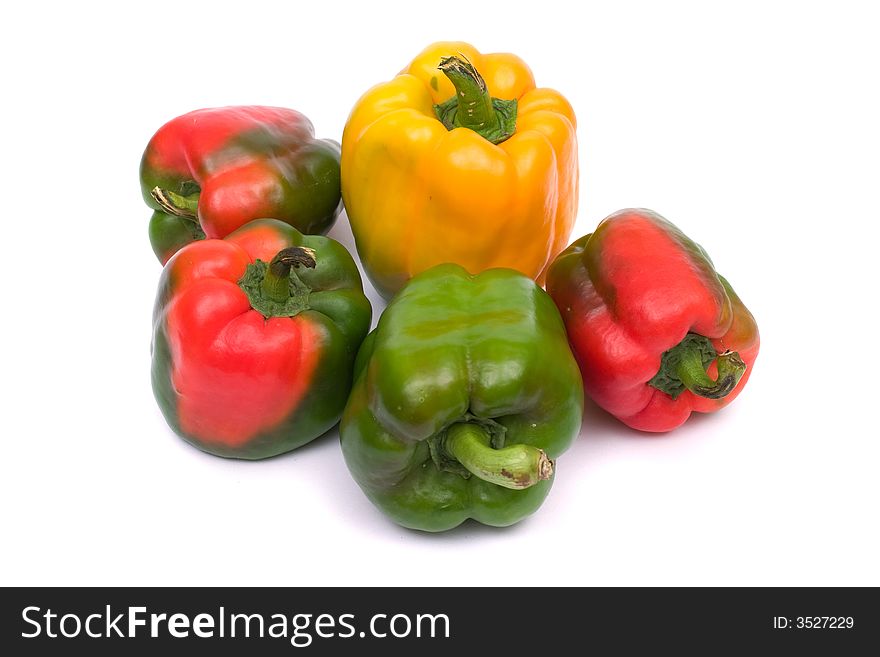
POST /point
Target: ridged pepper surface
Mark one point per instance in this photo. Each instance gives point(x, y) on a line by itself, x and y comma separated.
point(657, 331)
point(255, 337)
point(463, 395)
point(210, 171)
point(460, 158)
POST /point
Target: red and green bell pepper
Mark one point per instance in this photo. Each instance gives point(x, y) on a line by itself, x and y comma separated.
point(255, 337)
point(210, 171)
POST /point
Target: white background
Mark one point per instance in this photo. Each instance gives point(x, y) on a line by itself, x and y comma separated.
point(753, 126)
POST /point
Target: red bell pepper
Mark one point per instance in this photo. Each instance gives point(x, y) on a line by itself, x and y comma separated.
point(212, 170)
point(657, 332)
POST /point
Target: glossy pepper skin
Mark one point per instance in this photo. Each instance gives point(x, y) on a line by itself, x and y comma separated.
point(658, 333)
point(210, 171)
point(251, 360)
point(492, 184)
point(463, 393)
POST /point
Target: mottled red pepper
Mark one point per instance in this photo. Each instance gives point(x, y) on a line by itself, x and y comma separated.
point(255, 337)
point(210, 171)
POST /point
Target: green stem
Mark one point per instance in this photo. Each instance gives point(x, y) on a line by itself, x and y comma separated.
point(472, 107)
point(684, 368)
point(177, 204)
point(276, 284)
point(475, 109)
point(692, 374)
point(516, 466)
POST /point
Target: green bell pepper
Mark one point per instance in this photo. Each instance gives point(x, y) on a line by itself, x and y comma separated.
point(463, 394)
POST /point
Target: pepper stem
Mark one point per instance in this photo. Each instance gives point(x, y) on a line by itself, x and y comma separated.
point(276, 284)
point(472, 107)
point(516, 466)
point(177, 204)
point(475, 109)
point(691, 373)
point(684, 368)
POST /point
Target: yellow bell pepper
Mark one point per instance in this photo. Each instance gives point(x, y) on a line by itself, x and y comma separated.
point(460, 158)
